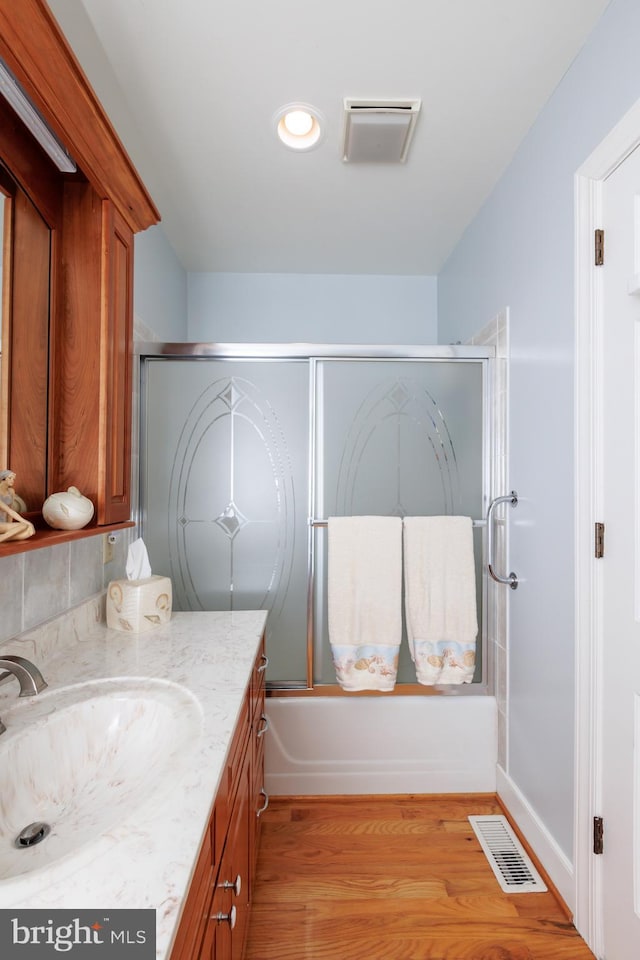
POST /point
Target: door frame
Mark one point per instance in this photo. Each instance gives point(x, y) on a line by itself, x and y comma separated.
point(588, 485)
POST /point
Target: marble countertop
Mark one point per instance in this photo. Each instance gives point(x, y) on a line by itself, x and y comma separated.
point(147, 859)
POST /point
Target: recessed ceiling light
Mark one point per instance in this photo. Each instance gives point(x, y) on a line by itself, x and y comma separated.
point(299, 126)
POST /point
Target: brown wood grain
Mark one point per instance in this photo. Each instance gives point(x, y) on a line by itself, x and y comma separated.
point(393, 878)
point(116, 374)
point(36, 51)
point(28, 347)
point(77, 333)
point(92, 386)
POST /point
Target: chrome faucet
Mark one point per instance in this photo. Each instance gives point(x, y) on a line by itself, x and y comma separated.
point(26, 673)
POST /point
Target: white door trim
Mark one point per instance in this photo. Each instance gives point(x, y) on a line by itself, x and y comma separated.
point(616, 146)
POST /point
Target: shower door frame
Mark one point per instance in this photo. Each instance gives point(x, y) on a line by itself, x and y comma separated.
point(312, 353)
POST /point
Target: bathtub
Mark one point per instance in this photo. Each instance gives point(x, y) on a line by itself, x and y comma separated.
point(364, 745)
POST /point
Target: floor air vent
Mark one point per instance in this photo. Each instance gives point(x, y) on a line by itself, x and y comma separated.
point(513, 869)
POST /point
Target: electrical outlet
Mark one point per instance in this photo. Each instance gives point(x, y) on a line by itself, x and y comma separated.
point(107, 549)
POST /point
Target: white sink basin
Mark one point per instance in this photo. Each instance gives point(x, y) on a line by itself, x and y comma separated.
point(84, 758)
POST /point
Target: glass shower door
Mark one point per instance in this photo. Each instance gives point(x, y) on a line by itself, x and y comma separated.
point(225, 492)
point(238, 453)
point(399, 438)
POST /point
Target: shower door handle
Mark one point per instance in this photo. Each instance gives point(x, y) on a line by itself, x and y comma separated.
point(512, 579)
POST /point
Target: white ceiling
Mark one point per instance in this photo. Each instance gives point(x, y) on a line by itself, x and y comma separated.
point(192, 87)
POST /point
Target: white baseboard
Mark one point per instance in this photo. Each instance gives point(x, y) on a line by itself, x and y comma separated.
point(552, 858)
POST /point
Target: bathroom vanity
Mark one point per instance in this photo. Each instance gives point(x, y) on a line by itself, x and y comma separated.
point(215, 912)
point(176, 720)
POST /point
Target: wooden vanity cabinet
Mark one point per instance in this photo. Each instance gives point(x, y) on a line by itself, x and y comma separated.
point(215, 916)
point(259, 728)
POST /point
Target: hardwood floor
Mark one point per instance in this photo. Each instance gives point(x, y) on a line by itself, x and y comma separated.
point(393, 878)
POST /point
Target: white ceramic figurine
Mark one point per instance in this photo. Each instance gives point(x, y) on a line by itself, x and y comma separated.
point(14, 527)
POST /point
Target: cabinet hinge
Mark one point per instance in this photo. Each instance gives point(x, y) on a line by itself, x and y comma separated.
point(598, 835)
point(599, 541)
point(599, 248)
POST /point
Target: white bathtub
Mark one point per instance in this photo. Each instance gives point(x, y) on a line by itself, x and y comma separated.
point(337, 745)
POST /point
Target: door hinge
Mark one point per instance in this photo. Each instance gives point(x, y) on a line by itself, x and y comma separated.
point(599, 541)
point(599, 248)
point(598, 835)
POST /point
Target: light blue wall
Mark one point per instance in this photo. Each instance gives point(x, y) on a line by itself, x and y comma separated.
point(519, 251)
point(229, 307)
point(160, 286)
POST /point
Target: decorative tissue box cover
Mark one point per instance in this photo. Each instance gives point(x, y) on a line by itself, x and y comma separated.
point(136, 606)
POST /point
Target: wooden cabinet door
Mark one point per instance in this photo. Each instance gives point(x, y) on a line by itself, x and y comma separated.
point(116, 387)
point(239, 847)
point(195, 919)
point(260, 799)
point(259, 728)
point(215, 917)
point(93, 373)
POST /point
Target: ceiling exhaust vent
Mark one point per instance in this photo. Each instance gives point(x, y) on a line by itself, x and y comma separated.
point(378, 131)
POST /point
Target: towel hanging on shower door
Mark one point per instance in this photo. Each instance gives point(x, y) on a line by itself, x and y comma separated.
point(440, 598)
point(365, 600)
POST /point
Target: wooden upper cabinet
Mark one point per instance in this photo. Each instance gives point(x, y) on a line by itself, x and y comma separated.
point(116, 382)
point(92, 216)
point(92, 389)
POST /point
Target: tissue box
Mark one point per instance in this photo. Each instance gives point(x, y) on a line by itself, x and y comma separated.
point(136, 606)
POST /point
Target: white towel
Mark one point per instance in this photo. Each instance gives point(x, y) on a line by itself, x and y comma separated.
point(365, 600)
point(440, 598)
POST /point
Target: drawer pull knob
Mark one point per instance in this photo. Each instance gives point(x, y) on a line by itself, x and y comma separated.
point(263, 730)
point(263, 793)
point(265, 663)
point(229, 917)
point(235, 885)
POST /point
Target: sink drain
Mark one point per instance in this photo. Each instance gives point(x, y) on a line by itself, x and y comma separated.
point(34, 833)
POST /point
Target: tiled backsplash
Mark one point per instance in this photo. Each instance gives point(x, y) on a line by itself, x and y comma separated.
point(38, 585)
point(43, 642)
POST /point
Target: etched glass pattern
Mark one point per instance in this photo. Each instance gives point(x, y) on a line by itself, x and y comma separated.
point(399, 438)
point(226, 466)
point(226, 480)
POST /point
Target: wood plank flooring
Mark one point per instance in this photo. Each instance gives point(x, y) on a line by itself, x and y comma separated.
point(393, 878)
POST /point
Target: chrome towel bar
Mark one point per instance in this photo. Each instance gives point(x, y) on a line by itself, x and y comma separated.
point(511, 579)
